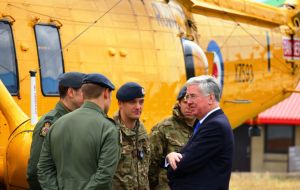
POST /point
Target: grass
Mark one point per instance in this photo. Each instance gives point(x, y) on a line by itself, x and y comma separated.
point(265, 181)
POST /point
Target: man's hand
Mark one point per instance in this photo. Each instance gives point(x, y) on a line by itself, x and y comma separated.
point(173, 158)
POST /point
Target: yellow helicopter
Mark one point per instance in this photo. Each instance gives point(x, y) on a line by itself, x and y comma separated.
point(252, 48)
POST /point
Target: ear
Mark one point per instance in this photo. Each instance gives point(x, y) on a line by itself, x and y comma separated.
point(211, 99)
point(178, 103)
point(106, 93)
point(120, 104)
point(70, 92)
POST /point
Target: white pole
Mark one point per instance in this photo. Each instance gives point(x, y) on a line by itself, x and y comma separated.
point(33, 99)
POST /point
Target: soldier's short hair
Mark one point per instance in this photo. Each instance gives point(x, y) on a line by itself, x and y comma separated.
point(91, 90)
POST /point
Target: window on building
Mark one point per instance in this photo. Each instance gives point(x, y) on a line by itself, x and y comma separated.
point(279, 138)
point(50, 57)
point(8, 61)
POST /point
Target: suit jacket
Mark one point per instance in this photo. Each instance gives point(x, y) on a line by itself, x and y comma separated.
point(207, 157)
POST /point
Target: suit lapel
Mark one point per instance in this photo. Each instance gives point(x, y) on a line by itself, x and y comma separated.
point(203, 124)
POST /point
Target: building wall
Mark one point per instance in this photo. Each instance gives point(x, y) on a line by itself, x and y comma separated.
point(262, 162)
point(257, 152)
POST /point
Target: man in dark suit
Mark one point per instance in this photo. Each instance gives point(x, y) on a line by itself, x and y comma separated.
point(206, 160)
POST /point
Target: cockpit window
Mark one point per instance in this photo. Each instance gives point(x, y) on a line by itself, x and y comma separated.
point(8, 61)
point(50, 57)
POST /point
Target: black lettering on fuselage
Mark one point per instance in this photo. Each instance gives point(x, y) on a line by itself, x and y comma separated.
point(244, 72)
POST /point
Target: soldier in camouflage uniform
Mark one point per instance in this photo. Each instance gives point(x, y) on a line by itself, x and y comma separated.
point(169, 135)
point(132, 171)
point(70, 98)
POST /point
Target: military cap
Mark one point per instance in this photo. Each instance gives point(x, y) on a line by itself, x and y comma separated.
point(181, 93)
point(71, 79)
point(130, 91)
point(99, 79)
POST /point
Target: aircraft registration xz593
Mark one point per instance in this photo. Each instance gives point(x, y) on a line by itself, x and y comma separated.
point(252, 48)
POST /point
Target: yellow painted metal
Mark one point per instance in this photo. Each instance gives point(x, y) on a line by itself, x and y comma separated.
point(291, 91)
point(141, 41)
point(17, 154)
point(14, 156)
point(242, 8)
point(11, 111)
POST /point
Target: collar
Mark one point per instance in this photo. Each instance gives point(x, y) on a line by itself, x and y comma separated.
point(92, 105)
point(118, 119)
point(125, 130)
point(61, 108)
point(179, 116)
point(209, 113)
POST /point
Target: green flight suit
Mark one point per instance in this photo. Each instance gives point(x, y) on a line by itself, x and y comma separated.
point(169, 135)
point(81, 151)
point(39, 132)
point(133, 167)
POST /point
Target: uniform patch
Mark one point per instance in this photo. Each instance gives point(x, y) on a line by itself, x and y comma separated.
point(45, 129)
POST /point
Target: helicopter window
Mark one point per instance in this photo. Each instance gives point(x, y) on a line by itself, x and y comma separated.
point(50, 57)
point(8, 61)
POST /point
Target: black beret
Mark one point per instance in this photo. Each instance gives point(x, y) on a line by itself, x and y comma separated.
point(71, 79)
point(99, 79)
point(130, 91)
point(181, 93)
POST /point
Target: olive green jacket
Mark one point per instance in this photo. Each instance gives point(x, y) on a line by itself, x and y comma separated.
point(133, 167)
point(81, 151)
point(39, 132)
point(169, 135)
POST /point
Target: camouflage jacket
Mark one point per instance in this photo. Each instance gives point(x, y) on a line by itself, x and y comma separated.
point(133, 167)
point(39, 132)
point(169, 135)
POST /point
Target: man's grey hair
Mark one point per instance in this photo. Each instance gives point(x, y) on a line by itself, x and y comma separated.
point(207, 85)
